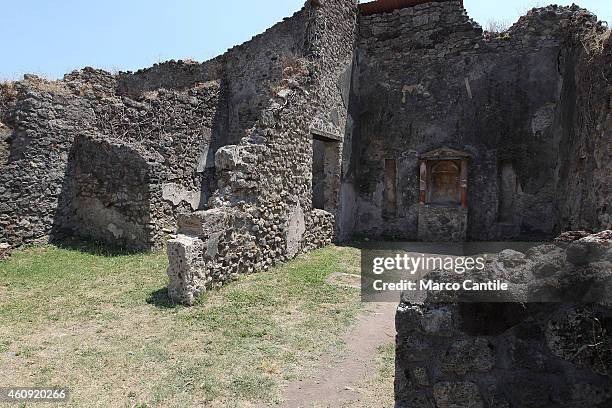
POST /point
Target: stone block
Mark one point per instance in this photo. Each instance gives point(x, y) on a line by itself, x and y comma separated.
point(186, 269)
point(467, 355)
point(512, 258)
point(204, 223)
point(461, 394)
point(5, 251)
point(589, 248)
point(438, 321)
point(295, 231)
point(233, 157)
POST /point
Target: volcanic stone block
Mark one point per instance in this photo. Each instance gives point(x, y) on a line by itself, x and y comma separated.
point(186, 269)
point(204, 223)
point(463, 394)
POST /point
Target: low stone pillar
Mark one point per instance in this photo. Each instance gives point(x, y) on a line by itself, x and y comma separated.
point(186, 269)
point(5, 250)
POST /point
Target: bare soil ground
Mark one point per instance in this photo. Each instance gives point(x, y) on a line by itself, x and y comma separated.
point(358, 377)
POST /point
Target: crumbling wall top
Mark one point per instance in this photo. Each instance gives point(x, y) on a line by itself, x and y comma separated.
point(386, 6)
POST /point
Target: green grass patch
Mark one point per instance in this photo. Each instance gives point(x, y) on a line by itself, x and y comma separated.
point(100, 322)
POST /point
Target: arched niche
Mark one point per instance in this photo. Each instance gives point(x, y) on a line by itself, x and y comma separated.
point(443, 178)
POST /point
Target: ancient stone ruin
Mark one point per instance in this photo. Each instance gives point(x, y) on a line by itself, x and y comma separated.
point(383, 120)
point(546, 342)
point(390, 119)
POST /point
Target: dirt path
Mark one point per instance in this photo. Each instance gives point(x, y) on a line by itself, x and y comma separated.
point(338, 382)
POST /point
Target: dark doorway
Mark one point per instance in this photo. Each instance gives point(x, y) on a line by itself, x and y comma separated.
point(318, 174)
point(325, 172)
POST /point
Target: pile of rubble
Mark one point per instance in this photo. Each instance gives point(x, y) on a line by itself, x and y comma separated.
point(546, 342)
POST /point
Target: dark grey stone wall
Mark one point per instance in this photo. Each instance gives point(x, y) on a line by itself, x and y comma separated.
point(252, 69)
point(428, 77)
point(585, 171)
point(116, 187)
point(546, 342)
point(185, 111)
point(184, 126)
point(43, 118)
point(179, 75)
point(441, 224)
point(529, 105)
point(262, 212)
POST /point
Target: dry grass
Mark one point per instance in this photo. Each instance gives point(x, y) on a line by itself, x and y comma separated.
point(595, 42)
point(8, 90)
point(377, 391)
point(52, 86)
point(496, 26)
point(101, 324)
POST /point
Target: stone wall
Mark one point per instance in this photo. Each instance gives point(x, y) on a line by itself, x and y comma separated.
point(252, 69)
point(8, 95)
point(184, 111)
point(547, 342)
point(441, 224)
point(184, 125)
point(4, 143)
point(263, 206)
point(179, 75)
point(529, 106)
point(115, 186)
point(428, 77)
point(44, 119)
point(585, 173)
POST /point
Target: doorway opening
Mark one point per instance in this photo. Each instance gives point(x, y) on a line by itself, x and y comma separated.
point(325, 172)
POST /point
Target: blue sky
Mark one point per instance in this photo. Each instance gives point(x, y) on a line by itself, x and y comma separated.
point(52, 37)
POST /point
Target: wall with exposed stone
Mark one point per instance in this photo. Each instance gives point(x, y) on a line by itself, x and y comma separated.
point(183, 111)
point(44, 118)
point(428, 78)
point(262, 211)
point(253, 68)
point(585, 173)
point(546, 342)
point(179, 75)
point(184, 125)
point(7, 100)
point(235, 134)
point(115, 187)
point(440, 224)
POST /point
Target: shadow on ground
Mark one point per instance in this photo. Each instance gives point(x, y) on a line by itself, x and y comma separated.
point(92, 247)
point(161, 300)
